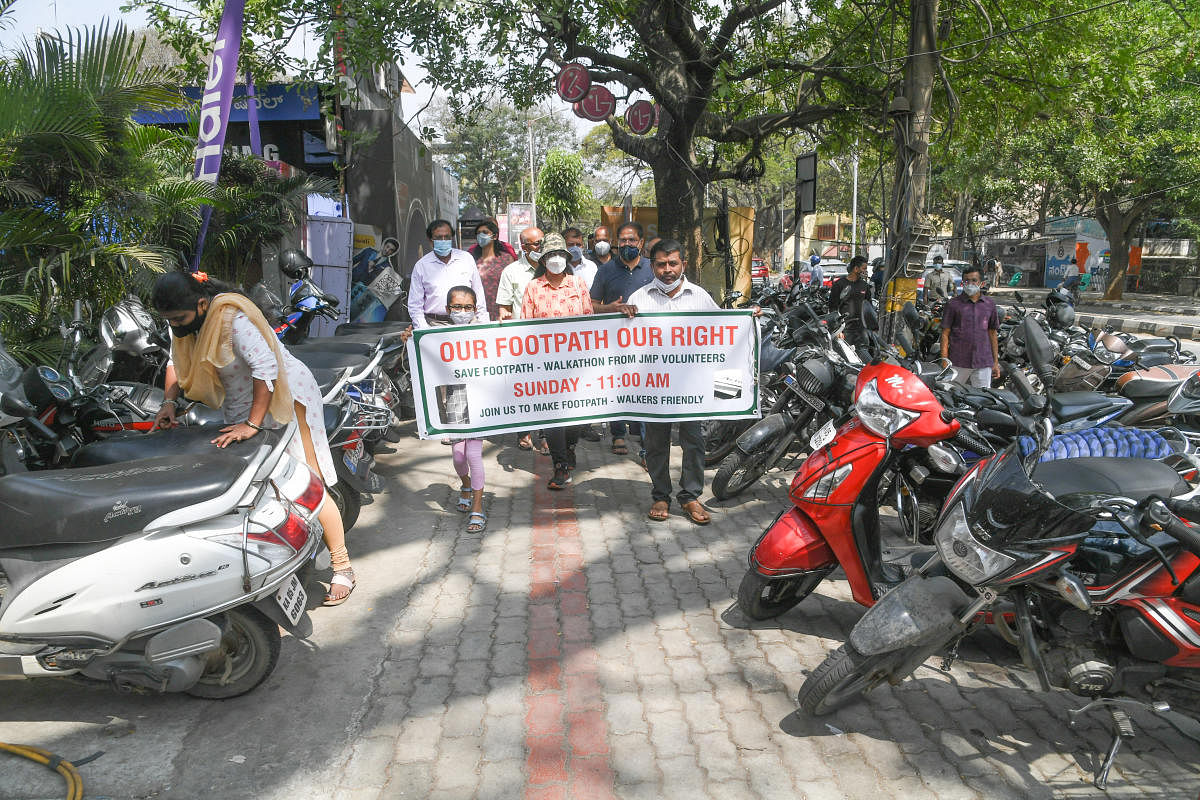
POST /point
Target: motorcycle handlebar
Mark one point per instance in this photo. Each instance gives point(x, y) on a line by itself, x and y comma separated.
point(1187, 536)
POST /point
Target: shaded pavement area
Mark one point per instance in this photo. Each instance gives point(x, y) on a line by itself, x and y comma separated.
point(576, 649)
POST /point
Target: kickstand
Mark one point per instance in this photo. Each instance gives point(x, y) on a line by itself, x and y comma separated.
point(1122, 728)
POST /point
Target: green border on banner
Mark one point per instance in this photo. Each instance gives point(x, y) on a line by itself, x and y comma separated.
point(433, 430)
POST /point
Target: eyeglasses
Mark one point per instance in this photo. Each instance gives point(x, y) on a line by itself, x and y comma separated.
point(461, 308)
point(532, 245)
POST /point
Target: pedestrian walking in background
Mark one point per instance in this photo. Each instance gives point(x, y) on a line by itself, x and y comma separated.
point(492, 256)
point(511, 294)
point(435, 273)
point(969, 331)
point(462, 307)
point(615, 282)
point(993, 273)
point(879, 272)
point(555, 292)
point(816, 274)
point(669, 290)
point(939, 283)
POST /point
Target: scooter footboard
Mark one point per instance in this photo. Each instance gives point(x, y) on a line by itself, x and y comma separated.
point(791, 544)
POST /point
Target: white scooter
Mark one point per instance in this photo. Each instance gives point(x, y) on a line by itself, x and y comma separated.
point(172, 572)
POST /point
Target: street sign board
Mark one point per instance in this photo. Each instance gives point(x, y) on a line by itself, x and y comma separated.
point(573, 82)
point(806, 185)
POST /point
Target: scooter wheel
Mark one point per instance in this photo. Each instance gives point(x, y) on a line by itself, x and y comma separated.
point(760, 597)
point(843, 677)
point(348, 502)
point(247, 655)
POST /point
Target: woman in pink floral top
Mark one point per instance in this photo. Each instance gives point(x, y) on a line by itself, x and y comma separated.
point(491, 258)
point(557, 292)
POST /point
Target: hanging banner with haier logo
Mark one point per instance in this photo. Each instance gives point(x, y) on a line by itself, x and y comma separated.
point(215, 105)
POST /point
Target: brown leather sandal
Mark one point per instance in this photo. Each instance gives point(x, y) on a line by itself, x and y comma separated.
point(696, 513)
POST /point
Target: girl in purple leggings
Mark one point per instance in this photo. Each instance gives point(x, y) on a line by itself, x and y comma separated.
point(468, 453)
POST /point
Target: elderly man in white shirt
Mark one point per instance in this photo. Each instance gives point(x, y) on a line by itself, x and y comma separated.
point(669, 290)
point(517, 275)
point(436, 273)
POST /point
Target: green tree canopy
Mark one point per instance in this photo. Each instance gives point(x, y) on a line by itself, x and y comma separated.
point(562, 195)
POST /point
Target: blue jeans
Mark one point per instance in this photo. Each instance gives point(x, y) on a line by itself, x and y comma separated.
point(620, 428)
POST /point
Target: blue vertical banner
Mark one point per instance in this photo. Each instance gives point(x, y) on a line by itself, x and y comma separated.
point(215, 105)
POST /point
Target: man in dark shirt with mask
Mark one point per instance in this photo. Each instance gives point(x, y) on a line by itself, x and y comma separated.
point(615, 283)
point(847, 297)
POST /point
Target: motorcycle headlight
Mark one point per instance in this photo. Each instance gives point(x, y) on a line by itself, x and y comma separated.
point(969, 559)
point(880, 416)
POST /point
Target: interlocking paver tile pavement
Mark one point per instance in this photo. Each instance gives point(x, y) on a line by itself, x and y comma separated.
point(576, 650)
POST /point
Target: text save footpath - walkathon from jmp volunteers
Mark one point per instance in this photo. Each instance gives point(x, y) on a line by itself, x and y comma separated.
point(503, 377)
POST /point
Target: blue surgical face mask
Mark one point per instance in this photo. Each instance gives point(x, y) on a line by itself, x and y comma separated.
point(483, 239)
point(442, 246)
point(576, 253)
point(629, 252)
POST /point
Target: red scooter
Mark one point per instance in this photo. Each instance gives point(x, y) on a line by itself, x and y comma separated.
point(899, 436)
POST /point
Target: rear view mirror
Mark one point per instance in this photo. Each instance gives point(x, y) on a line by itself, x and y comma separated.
point(870, 319)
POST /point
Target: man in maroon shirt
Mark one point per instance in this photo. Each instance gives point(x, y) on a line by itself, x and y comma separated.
point(969, 326)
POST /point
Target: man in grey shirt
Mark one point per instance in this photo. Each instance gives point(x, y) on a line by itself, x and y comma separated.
point(669, 290)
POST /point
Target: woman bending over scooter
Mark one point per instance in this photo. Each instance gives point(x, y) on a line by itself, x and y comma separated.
point(225, 355)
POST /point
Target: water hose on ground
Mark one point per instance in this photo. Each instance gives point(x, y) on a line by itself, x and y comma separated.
point(56, 763)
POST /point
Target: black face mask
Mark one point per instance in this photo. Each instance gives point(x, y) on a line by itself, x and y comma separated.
point(192, 327)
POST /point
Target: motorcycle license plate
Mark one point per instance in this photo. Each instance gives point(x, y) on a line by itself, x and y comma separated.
point(352, 457)
point(292, 598)
point(815, 403)
point(822, 437)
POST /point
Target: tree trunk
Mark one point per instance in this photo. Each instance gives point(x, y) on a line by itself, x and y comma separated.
point(680, 198)
point(1118, 227)
point(912, 130)
point(964, 203)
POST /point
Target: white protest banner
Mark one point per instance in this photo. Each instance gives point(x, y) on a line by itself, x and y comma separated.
point(479, 380)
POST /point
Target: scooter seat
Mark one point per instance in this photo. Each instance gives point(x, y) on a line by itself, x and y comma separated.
point(100, 504)
point(1155, 382)
point(327, 378)
point(1152, 345)
point(1135, 478)
point(336, 345)
point(354, 363)
point(1072, 405)
point(347, 328)
point(134, 446)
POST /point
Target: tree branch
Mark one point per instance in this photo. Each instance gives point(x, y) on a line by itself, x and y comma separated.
point(737, 16)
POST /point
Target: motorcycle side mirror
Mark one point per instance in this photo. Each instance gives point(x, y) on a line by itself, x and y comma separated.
point(870, 319)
